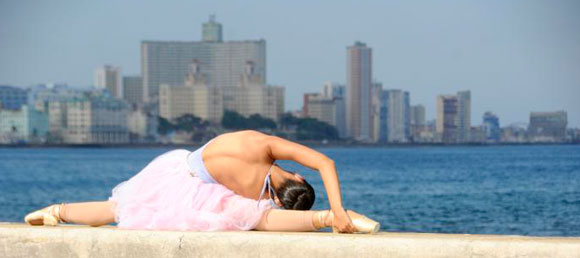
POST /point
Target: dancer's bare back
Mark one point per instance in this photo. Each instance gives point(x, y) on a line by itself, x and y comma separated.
point(239, 161)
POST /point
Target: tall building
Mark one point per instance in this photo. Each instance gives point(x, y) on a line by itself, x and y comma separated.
point(333, 90)
point(418, 121)
point(548, 126)
point(446, 126)
point(418, 115)
point(209, 102)
point(338, 94)
point(222, 62)
point(454, 117)
point(306, 100)
point(358, 92)
point(463, 115)
point(320, 107)
point(212, 31)
point(398, 116)
point(377, 88)
point(109, 77)
point(384, 117)
point(491, 127)
point(133, 89)
point(327, 106)
point(12, 97)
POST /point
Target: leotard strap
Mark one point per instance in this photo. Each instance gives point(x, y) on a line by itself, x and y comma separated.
point(267, 183)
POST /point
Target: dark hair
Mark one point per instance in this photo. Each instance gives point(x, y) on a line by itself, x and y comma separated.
point(296, 195)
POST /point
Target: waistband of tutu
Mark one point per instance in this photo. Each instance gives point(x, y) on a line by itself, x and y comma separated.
point(198, 169)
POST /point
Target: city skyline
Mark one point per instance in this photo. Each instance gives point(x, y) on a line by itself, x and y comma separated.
point(525, 59)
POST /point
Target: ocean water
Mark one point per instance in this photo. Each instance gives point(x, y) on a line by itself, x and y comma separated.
point(516, 190)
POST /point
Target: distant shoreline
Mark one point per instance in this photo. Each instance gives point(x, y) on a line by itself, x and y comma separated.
point(307, 143)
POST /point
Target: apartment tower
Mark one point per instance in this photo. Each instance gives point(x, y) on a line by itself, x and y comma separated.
point(359, 91)
point(109, 77)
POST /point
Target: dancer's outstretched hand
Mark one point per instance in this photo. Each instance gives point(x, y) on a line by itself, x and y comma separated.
point(342, 222)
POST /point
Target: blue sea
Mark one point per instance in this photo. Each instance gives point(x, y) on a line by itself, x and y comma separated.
point(514, 190)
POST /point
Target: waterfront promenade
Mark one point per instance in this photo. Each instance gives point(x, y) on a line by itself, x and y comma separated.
point(18, 240)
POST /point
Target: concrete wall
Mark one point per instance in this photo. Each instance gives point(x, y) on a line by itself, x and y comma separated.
point(17, 240)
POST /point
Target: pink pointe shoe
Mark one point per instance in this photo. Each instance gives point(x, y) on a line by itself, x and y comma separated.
point(48, 216)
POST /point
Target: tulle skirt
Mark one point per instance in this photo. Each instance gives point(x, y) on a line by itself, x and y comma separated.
point(165, 196)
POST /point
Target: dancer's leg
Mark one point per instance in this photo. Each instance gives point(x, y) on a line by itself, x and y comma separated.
point(291, 220)
point(89, 213)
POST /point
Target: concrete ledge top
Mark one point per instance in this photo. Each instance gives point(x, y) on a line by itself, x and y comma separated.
point(19, 240)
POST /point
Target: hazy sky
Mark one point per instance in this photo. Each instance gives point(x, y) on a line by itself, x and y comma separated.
point(514, 56)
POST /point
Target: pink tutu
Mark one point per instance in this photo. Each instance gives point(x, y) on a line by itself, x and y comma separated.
point(165, 196)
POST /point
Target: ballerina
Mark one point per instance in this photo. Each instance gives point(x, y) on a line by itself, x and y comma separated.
point(230, 183)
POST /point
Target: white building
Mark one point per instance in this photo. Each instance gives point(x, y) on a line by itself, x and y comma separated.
point(52, 99)
point(97, 120)
point(327, 106)
point(222, 62)
point(23, 125)
point(208, 102)
point(142, 124)
point(109, 77)
point(398, 116)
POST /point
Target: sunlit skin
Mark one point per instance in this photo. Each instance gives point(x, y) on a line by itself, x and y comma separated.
point(241, 160)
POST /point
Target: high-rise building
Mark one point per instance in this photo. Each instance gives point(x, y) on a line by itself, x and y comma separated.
point(333, 90)
point(338, 94)
point(418, 115)
point(398, 116)
point(320, 107)
point(377, 88)
point(306, 103)
point(491, 127)
point(222, 62)
point(446, 126)
point(417, 121)
point(212, 30)
point(359, 91)
point(209, 102)
point(454, 117)
point(109, 77)
point(327, 106)
point(548, 126)
point(463, 115)
point(133, 89)
point(384, 117)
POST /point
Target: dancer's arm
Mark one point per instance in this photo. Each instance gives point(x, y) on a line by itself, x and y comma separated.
point(281, 149)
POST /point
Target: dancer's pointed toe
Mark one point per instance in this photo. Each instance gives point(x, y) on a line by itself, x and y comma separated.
point(48, 216)
point(362, 223)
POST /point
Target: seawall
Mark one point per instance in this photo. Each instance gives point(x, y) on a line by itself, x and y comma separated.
point(18, 240)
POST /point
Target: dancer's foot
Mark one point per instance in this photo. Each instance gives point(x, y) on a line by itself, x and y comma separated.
point(48, 216)
point(362, 223)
